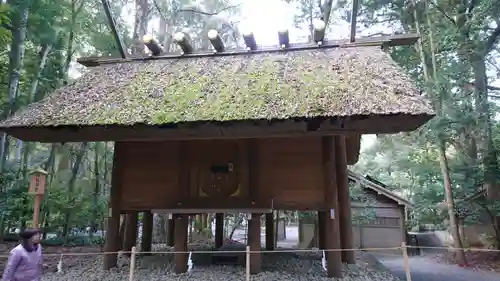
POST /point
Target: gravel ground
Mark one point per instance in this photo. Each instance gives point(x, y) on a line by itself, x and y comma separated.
point(275, 266)
point(425, 269)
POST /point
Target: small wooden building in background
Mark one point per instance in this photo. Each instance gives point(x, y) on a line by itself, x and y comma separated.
point(252, 131)
point(379, 217)
point(385, 224)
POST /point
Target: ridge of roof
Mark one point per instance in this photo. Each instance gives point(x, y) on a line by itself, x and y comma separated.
point(377, 41)
point(379, 189)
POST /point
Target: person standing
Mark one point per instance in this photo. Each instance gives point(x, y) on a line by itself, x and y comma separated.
point(25, 260)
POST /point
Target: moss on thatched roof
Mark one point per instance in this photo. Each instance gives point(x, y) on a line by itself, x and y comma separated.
point(338, 82)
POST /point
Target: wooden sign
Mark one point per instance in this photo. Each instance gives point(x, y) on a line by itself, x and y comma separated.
point(37, 185)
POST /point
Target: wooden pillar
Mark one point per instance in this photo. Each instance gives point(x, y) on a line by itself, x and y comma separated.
point(321, 229)
point(113, 243)
point(170, 232)
point(331, 232)
point(219, 230)
point(402, 224)
point(344, 199)
point(130, 239)
point(276, 225)
point(270, 231)
point(254, 243)
point(301, 230)
point(180, 259)
point(147, 232)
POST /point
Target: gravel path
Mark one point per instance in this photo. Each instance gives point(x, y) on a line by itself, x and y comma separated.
point(278, 266)
point(425, 269)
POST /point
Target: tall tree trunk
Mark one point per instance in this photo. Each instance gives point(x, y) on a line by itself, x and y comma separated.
point(50, 167)
point(441, 144)
point(489, 151)
point(140, 25)
point(71, 186)
point(455, 232)
point(76, 8)
point(97, 190)
point(26, 157)
point(20, 16)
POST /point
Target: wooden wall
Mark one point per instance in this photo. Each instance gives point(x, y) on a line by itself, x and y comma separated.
point(283, 173)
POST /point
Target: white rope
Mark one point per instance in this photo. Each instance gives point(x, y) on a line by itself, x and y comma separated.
point(59, 264)
point(190, 262)
point(323, 261)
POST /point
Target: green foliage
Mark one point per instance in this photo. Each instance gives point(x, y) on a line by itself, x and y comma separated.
point(4, 22)
point(59, 31)
point(410, 162)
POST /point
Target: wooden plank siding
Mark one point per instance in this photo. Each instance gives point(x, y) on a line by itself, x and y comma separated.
point(151, 175)
point(287, 173)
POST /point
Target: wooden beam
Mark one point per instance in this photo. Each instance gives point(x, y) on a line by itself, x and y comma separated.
point(354, 20)
point(219, 230)
point(147, 232)
point(376, 41)
point(374, 124)
point(180, 257)
point(332, 231)
point(254, 243)
point(270, 231)
point(112, 25)
point(344, 199)
point(130, 238)
point(113, 242)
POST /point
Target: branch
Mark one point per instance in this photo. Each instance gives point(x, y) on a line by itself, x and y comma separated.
point(159, 10)
point(7, 26)
point(79, 8)
point(493, 64)
point(442, 12)
point(207, 13)
point(492, 40)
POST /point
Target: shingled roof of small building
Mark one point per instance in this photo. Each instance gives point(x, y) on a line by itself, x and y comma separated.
point(360, 83)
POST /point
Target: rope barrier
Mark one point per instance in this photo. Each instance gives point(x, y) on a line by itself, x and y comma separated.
point(261, 251)
point(455, 249)
point(215, 251)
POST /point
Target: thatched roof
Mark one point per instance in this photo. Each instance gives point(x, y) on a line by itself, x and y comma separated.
point(347, 85)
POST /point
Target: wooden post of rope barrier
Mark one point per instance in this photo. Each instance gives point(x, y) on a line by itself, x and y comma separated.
point(247, 263)
point(132, 264)
point(406, 261)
